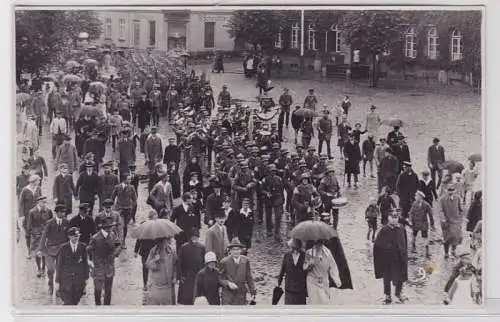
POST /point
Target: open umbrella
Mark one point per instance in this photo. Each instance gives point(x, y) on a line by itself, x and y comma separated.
point(313, 230)
point(453, 166)
point(305, 112)
point(71, 64)
point(157, 228)
point(393, 122)
point(476, 157)
point(71, 78)
point(90, 61)
point(89, 110)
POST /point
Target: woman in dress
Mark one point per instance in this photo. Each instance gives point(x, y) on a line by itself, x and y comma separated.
point(161, 264)
point(320, 265)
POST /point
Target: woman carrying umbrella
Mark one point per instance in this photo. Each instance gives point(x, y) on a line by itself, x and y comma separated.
point(161, 260)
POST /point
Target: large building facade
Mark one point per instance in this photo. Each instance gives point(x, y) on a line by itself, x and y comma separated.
point(194, 31)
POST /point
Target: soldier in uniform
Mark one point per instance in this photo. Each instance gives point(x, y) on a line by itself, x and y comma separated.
point(244, 185)
point(53, 237)
point(108, 212)
point(329, 189)
point(311, 159)
point(319, 169)
point(35, 224)
point(273, 188)
point(302, 198)
point(224, 99)
point(155, 98)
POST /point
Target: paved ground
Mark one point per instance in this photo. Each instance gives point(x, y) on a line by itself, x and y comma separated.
point(455, 118)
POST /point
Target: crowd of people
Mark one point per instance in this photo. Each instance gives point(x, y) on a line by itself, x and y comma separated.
point(224, 171)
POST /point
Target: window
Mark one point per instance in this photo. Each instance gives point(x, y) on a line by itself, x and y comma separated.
point(295, 36)
point(311, 37)
point(278, 42)
point(121, 29)
point(107, 28)
point(432, 44)
point(137, 32)
point(411, 43)
point(336, 38)
point(456, 45)
point(209, 34)
point(152, 33)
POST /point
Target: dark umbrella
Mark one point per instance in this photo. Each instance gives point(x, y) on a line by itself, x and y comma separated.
point(453, 166)
point(476, 157)
point(277, 293)
point(313, 230)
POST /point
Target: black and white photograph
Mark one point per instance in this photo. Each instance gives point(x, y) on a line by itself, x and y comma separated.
point(274, 156)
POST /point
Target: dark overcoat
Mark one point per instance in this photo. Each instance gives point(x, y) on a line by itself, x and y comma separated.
point(390, 254)
point(72, 270)
point(190, 262)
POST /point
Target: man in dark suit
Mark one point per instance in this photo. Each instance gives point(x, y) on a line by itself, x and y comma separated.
point(172, 153)
point(186, 219)
point(214, 203)
point(88, 186)
point(435, 160)
point(53, 237)
point(72, 268)
point(84, 223)
point(292, 269)
point(394, 137)
point(102, 250)
point(64, 188)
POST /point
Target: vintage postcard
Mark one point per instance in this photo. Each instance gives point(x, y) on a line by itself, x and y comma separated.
point(237, 156)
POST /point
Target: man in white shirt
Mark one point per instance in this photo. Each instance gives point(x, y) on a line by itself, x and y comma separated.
point(58, 128)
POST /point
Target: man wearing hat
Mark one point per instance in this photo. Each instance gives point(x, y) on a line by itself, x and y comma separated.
point(143, 108)
point(125, 198)
point(66, 154)
point(373, 122)
point(53, 236)
point(156, 102)
point(311, 159)
point(388, 170)
point(352, 157)
point(108, 212)
point(27, 200)
point(207, 280)
point(390, 257)
point(95, 145)
point(273, 188)
point(224, 99)
point(84, 222)
point(435, 160)
point(407, 185)
point(420, 215)
point(125, 152)
point(153, 149)
point(217, 238)
point(311, 100)
point(319, 168)
point(451, 217)
point(190, 260)
point(428, 187)
point(88, 186)
point(236, 276)
point(35, 225)
point(172, 153)
point(64, 188)
point(329, 189)
point(367, 150)
point(186, 218)
point(22, 179)
point(214, 202)
point(109, 181)
point(402, 152)
point(285, 101)
point(72, 270)
point(394, 136)
point(102, 250)
point(302, 198)
point(244, 184)
point(325, 130)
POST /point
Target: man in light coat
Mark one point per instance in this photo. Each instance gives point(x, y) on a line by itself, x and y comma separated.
point(451, 216)
point(216, 238)
point(161, 197)
point(153, 149)
point(236, 276)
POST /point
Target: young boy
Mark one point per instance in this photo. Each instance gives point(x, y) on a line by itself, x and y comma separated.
point(356, 133)
point(371, 214)
point(386, 204)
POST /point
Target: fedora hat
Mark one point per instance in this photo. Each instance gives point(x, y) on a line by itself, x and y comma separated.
point(60, 207)
point(73, 231)
point(235, 242)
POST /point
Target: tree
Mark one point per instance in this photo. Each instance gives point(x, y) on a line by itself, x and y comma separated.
point(42, 35)
point(257, 27)
point(374, 32)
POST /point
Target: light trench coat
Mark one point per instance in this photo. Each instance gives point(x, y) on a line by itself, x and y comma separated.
point(373, 124)
point(318, 289)
point(161, 275)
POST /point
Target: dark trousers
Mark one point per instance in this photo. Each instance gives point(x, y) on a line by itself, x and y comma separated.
point(387, 287)
point(126, 216)
point(405, 205)
point(39, 122)
point(156, 117)
point(145, 270)
point(295, 298)
point(114, 137)
point(440, 176)
point(40, 263)
point(73, 295)
point(335, 214)
point(447, 248)
point(278, 213)
point(349, 177)
point(99, 284)
point(321, 140)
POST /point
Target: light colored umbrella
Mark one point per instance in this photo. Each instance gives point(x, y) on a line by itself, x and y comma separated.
point(71, 78)
point(156, 228)
point(90, 61)
point(313, 230)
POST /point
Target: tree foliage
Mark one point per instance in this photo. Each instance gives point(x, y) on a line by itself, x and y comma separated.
point(42, 35)
point(257, 27)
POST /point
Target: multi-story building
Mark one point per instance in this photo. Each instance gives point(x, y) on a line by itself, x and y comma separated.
point(194, 31)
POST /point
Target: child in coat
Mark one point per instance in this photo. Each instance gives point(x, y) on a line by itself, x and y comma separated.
point(372, 212)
